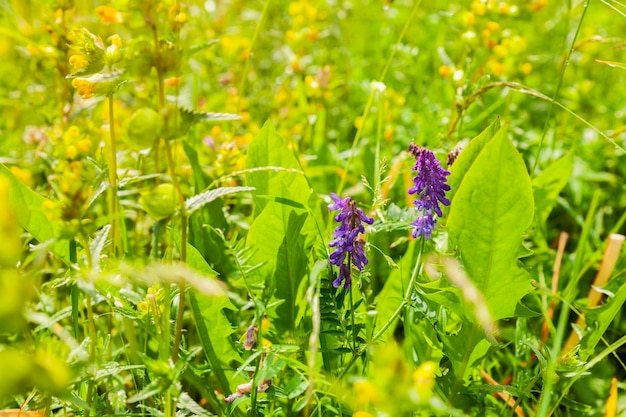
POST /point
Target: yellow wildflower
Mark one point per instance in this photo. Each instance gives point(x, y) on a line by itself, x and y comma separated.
point(83, 146)
point(116, 40)
point(362, 414)
point(445, 71)
point(493, 26)
point(497, 68)
point(365, 392)
point(527, 68)
point(424, 379)
point(172, 82)
point(78, 61)
point(500, 50)
point(84, 88)
point(108, 14)
point(537, 5)
point(71, 151)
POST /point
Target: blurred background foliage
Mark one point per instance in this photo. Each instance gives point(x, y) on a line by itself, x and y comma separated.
point(309, 67)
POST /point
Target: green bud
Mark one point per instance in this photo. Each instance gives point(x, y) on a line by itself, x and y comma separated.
point(143, 128)
point(160, 202)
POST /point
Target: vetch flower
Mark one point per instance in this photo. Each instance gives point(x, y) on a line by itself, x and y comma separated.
point(430, 189)
point(347, 241)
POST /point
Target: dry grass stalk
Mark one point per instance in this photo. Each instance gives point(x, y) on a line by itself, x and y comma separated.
point(556, 272)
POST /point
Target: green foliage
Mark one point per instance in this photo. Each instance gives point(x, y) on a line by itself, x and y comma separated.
point(491, 209)
point(165, 175)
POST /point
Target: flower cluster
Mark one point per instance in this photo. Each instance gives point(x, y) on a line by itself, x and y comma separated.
point(346, 240)
point(430, 187)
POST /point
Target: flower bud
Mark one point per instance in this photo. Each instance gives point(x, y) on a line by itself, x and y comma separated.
point(143, 128)
point(160, 202)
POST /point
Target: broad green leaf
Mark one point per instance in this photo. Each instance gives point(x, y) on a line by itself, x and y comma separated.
point(269, 150)
point(213, 327)
point(491, 209)
point(218, 328)
point(548, 185)
point(278, 243)
point(468, 155)
point(28, 208)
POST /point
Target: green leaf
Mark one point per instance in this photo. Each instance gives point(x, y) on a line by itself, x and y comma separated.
point(214, 328)
point(468, 155)
point(548, 185)
point(214, 331)
point(278, 243)
point(491, 209)
point(269, 150)
point(28, 208)
point(599, 319)
point(198, 201)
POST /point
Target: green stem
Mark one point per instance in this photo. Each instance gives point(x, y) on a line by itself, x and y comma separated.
point(246, 67)
point(352, 311)
point(112, 154)
point(417, 269)
point(183, 250)
point(558, 89)
point(91, 325)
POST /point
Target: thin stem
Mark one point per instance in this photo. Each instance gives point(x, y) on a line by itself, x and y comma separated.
point(246, 67)
point(417, 270)
point(558, 89)
point(112, 154)
point(91, 325)
point(352, 309)
point(183, 251)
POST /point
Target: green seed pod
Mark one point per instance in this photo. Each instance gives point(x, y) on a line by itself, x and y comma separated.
point(143, 128)
point(160, 202)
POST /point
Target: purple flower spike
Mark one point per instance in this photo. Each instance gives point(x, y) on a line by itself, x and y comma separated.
point(347, 242)
point(430, 189)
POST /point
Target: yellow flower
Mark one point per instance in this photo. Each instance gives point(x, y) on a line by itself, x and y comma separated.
point(493, 26)
point(78, 61)
point(71, 151)
point(537, 5)
point(500, 50)
point(180, 18)
point(527, 68)
point(116, 40)
point(497, 68)
point(172, 82)
point(265, 324)
point(445, 71)
point(365, 392)
point(362, 414)
point(108, 14)
point(83, 146)
point(83, 87)
point(72, 133)
point(424, 379)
